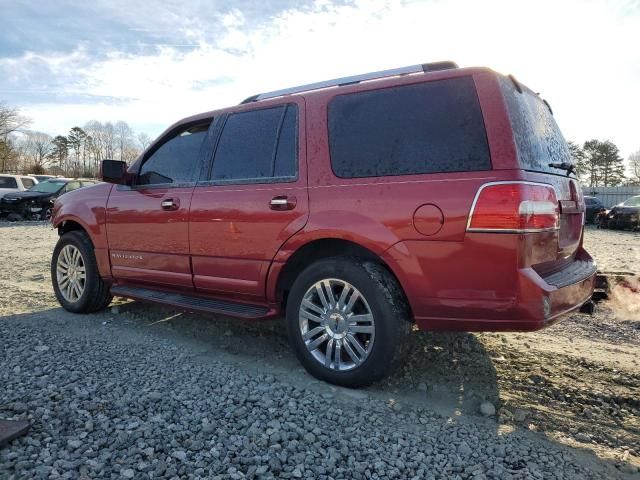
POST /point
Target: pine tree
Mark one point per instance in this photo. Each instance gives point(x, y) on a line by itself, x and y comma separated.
point(60, 151)
point(603, 163)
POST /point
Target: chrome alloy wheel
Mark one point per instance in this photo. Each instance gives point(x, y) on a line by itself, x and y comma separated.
point(71, 273)
point(336, 324)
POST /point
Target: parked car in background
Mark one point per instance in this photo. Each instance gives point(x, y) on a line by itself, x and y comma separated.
point(593, 207)
point(15, 183)
point(42, 178)
point(431, 194)
point(37, 202)
point(625, 215)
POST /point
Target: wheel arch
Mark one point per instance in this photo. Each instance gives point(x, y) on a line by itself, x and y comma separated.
point(70, 223)
point(317, 249)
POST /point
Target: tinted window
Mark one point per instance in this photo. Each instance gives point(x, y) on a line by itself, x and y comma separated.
point(425, 128)
point(8, 182)
point(175, 160)
point(538, 139)
point(28, 182)
point(258, 144)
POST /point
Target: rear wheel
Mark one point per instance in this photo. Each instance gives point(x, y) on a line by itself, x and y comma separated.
point(347, 321)
point(74, 273)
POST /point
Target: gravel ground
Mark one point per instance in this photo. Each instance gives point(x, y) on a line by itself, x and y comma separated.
point(142, 391)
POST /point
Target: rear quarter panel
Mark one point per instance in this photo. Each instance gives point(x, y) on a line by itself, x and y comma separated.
point(378, 212)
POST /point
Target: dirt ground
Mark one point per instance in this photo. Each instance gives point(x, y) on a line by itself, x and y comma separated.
point(576, 383)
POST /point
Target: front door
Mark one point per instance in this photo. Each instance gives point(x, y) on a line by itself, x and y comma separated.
point(253, 198)
point(147, 223)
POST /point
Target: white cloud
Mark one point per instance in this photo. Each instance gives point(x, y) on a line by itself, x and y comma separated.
point(581, 56)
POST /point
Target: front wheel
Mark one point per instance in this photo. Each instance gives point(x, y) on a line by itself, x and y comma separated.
point(74, 273)
point(347, 321)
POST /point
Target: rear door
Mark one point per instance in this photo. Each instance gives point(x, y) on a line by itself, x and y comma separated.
point(250, 201)
point(147, 223)
point(541, 149)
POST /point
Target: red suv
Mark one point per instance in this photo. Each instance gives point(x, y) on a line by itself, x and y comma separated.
point(430, 195)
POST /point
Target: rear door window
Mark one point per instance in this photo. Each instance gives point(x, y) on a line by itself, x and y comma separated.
point(538, 139)
point(430, 127)
point(258, 145)
point(28, 182)
point(174, 162)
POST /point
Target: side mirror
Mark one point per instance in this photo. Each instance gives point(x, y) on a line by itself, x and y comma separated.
point(114, 171)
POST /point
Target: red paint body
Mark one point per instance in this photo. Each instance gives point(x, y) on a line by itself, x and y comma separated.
point(224, 242)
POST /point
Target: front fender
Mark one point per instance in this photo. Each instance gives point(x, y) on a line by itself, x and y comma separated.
point(86, 207)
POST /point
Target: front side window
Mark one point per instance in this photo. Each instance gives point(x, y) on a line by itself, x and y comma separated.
point(28, 182)
point(429, 127)
point(258, 145)
point(175, 160)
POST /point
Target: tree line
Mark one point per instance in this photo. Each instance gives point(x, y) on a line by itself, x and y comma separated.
point(78, 153)
point(599, 164)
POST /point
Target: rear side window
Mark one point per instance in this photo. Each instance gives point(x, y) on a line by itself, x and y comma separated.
point(175, 160)
point(8, 182)
point(258, 145)
point(430, 127)
point(538, 139)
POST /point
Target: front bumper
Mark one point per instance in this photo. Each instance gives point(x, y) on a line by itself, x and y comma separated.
point(624, 222)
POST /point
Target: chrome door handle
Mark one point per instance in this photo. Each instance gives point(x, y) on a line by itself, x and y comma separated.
point(282, 202)
point(169, 204)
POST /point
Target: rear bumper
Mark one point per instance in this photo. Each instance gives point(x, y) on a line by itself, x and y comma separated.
point(477, 287)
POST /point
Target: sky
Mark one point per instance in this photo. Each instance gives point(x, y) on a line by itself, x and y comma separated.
point(65, 62)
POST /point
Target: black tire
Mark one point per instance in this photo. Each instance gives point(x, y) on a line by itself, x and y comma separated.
point(96, 295)
point(387, 304)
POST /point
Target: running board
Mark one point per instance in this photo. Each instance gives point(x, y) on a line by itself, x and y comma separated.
point(191, 302)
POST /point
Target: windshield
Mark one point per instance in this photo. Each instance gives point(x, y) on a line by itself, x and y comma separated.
point(538, 139)
point(48, 186)
point(8, 182)
point(632, 202)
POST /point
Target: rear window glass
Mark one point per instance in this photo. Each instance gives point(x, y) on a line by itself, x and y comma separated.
point(8, 182)
point(425, 128)
point(538, 139)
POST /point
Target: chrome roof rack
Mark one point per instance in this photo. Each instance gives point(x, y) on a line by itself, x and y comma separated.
point(338, 82)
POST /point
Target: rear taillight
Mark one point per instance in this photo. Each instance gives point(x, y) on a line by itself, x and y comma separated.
point(514, 207)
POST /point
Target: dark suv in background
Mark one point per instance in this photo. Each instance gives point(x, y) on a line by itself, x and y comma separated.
point(36, 203)
point(430, 195)
point(594, 206)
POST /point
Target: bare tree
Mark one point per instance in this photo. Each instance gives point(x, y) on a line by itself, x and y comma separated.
point(634, 164)
point(144, 140)
point(10, 121)
point(123, 138)
point(34, 151)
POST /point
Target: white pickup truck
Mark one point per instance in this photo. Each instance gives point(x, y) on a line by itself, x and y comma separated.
point(15, 183)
